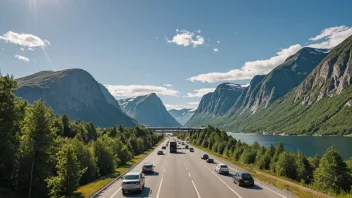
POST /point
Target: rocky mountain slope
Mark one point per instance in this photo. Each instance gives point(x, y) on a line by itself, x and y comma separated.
point(216, 104)
point(148, 110)
point(321, 104)
point(182, 115)
point(73, 92)
point(111, 99)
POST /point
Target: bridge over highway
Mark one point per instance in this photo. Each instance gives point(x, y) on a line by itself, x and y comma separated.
point(175, 129)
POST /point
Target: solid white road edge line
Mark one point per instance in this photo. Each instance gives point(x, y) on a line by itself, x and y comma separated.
point(223, 182)
point(189, 174)
point(195, 189)
point(162, 177)
point(115, 192)
point(257, 183)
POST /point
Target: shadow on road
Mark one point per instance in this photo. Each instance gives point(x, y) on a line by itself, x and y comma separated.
point(151, 174)
point(228, 175)
point(178, 152)
point(255, 187)
point(145, 193)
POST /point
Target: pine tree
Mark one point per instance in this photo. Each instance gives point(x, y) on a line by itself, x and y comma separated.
point(68, 173)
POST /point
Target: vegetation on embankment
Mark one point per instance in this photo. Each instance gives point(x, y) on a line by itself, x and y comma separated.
point(328, 173)
point(89, 189)
point(37, 146)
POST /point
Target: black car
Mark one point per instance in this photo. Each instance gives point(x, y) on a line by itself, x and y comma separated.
point(243, 179)
point(148, 168)
point(191, 149)
point(204, 156)
point(160, 152)
point(163, 147)
point(186, 147)
point(210, 160)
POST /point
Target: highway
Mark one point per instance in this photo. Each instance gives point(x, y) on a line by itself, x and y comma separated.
point(185, 174)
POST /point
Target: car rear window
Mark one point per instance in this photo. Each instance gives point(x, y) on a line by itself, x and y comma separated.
point(147, 166)
point(246, 176)
point(223, 166)
point(130, 177)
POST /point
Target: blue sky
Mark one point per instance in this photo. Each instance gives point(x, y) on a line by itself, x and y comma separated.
point(169, 47)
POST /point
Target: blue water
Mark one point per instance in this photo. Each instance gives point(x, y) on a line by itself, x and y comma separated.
point(309, 145)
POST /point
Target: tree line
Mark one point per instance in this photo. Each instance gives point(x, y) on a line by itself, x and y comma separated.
point(45, 155)
point(328, 173)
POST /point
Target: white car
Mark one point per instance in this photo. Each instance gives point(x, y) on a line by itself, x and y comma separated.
point(222, 168)
point(133, 181)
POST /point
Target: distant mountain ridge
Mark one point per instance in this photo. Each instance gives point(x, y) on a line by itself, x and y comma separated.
point(182, 115)
point(148, 110)
point(73, 92)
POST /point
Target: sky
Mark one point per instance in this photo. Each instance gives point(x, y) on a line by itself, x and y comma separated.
point(179, 50)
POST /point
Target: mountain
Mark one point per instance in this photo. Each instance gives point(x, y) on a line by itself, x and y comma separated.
point(148, 110)
point(215, 104)
point(73, 92)
point(264, 90)
point(111, 99)
point(182, 115)
point(321, 104)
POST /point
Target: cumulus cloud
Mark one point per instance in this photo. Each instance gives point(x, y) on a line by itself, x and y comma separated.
point(24, 40)
point(249, 69)
point(189, 105)
point(22, 58)
point(215, 49)
point(186, 38)
point(200, 92)
point(167, 85)
point(30, 49)
point(330, 37)
point(139, 90)
point(218, 41)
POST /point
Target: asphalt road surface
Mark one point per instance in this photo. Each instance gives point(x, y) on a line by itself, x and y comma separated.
point(186, 175)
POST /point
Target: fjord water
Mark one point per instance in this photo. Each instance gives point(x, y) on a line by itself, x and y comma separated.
point(309, 145)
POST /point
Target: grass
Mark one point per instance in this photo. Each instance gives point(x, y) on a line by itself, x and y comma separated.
point(89, 189)
point(288, 185)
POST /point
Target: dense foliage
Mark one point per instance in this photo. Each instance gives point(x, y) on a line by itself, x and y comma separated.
point(43, 155)
point(329, 173)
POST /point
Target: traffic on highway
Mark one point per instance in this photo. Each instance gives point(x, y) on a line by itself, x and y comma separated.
point(176, 169)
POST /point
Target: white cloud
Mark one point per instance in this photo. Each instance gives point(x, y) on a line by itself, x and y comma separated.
point(200, 92)
point(25, 40)
point(249, 69)
point(167, 85)
point(22, 49)
point(331, 37)
point(198, 31)
point(139, 90)
point(215, 49)
point(186, 38)
point(22, 58)
point(189, 105)
point(218, 41)
point(30, 49)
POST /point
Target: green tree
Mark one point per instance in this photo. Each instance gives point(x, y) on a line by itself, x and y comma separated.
point(37, 147)
point(103, 157)
point(248, 156)
point(304, 170)
point(286, 165)
point(314, 161)
point(68, 173)
point(332, 173)
point(8, 119)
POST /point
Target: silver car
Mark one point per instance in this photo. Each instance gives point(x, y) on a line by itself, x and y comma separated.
point(133, 181)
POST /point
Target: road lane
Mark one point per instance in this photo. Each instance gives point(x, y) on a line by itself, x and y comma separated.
point(260, 189)
point(152, 180)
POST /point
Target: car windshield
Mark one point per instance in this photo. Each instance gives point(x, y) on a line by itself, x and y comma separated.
point(246, 176)
point(223, 166)
point(131, 177)
point(147, 166)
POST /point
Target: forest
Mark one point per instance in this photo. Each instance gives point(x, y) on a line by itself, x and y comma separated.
point(46, 155)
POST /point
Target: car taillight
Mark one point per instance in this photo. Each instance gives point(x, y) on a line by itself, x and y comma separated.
point(139, 182)
point(123, 183)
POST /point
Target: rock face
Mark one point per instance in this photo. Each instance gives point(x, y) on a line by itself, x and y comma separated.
point(264, 90)
point(330, 77)
point(111, 99)
point(182, 115)
point(73, 92)
point(216, 104)
point(148, 110)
